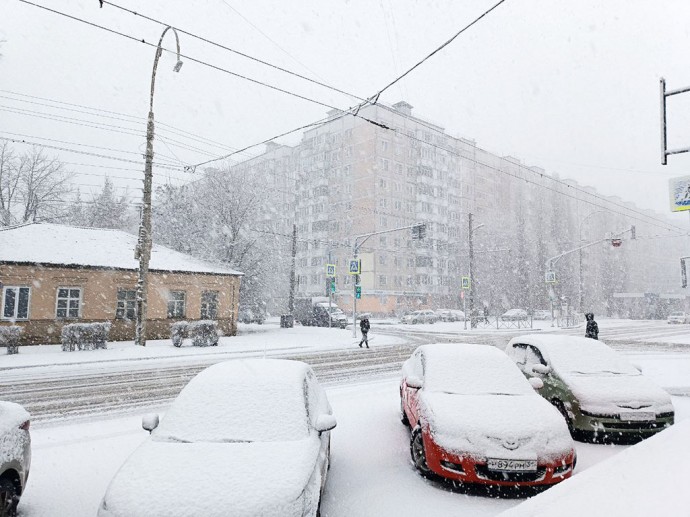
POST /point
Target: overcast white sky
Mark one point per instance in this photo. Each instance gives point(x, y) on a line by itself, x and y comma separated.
point(572, 87)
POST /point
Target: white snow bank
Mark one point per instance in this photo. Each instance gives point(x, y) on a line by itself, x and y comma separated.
point(647, 479)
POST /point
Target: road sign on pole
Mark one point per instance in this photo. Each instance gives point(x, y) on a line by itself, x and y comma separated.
point(355, 266)
point(465, 282)
point(330, 270)
point(550, 277)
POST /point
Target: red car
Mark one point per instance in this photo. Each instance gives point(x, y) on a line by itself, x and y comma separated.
point(476, 419)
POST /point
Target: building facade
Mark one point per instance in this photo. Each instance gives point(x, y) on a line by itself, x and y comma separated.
point(52, 275)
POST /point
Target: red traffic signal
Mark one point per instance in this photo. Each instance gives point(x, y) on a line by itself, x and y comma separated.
point(616, 243)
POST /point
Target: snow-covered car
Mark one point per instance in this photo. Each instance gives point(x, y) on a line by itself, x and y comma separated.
point(251, 315)
point(423, 316)
point(446, 315)
point(475, 419)
point(542, 314)
point(600, 394)
point(15, 456)
point(678, 317)
point(514, 315)
point(243, 438)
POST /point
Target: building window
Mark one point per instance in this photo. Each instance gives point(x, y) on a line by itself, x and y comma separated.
point(15, 303)
point(209, 305)
point(382, 280)
point(176, 304)
point(126, 304)
point(68, 302)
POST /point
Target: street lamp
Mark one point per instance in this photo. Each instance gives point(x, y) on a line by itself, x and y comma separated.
point(470, 232)
point(143, 249)
point(581, 285)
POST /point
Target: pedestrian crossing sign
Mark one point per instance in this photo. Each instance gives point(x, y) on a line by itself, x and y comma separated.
point(465, 282)
point(355, 266)
point(330, 270)
point(550, 277)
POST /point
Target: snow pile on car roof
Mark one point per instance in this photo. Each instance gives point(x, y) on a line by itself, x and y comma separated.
point(471, 369)
point(242, 400)
point(578, 354)
point(647, 479)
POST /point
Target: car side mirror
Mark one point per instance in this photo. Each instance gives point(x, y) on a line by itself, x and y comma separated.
point(541, 369)
point(324, 422)
point(150, 422)
point(414, 382)
point(536, 383)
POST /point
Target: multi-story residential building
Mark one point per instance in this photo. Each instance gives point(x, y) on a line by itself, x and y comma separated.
point(387, 168)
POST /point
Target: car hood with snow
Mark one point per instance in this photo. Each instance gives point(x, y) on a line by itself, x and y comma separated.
point(611, 394)
point(523, 426)
point(213, 479)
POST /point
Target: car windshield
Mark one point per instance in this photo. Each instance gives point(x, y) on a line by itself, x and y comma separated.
point(473, 372)
point(241, 409)
point(592, 359)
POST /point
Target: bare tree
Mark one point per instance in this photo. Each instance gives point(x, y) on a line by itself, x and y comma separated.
point(9, 183)
point(44, 185)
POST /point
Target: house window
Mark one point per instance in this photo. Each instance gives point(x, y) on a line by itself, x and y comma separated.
point(209, 305)
point(126, 304)
point(68, 302)
point(15, 303)
point(176, 304)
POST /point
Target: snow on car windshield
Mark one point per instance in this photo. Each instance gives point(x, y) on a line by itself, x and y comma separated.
point(588, 357)
point(240, 401)
point(472, 370)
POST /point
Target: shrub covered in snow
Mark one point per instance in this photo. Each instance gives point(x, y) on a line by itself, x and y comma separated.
point(85, 336)
point(9, 337)
point(204, 333)
point(178, 331)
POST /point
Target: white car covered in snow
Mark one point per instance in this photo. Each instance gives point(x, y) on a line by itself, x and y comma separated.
point(599, 393)
point(475, 419)
point(15, 456)
point(243, 438)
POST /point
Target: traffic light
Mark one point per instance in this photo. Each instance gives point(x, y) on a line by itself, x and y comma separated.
point(632, 232)
point(683, 273)
point(332, 285)
point(358, 291)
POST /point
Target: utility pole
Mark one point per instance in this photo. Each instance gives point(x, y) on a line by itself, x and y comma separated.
point(471, 272)
point(291, 296)
point(143, 249)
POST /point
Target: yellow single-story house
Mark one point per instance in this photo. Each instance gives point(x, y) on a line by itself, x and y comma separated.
point(51, 275)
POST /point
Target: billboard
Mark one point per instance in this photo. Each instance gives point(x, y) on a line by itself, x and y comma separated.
point(679, 191)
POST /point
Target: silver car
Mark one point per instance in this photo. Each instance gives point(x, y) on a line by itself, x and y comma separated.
point(15, 456)
point(423, 316)
point(244, 438)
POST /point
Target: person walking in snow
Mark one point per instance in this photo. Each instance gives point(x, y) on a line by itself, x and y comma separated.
point(486, 314)
point(592, 327)
point(364, 326)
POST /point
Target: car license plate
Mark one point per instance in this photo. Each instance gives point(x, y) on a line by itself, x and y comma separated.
point(638, 417)
point(512, 465)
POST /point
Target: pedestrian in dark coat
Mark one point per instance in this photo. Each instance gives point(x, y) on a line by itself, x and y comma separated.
point(364, 326)
point(592, 327)
point(486, 314)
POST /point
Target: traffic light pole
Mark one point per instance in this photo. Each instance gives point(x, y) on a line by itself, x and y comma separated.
point(355, 250)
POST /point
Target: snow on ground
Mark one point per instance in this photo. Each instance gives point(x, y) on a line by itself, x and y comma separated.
point(252, 340)
point(371, 473)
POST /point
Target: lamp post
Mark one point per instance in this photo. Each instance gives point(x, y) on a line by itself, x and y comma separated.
point(581, 282)
point(143, 250)
point(470, 232)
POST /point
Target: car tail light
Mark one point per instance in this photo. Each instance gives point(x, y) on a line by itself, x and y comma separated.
point(25, 426)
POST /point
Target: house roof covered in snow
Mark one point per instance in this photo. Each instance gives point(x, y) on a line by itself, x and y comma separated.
point(70, 246)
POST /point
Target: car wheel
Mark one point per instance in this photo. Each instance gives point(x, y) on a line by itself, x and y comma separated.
point(418, 454)
point(403, 415)
point(561, 409)
point(9, 498)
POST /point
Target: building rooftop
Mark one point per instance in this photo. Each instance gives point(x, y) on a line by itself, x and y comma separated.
point(70, 246)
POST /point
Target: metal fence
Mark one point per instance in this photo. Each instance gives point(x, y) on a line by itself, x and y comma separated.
point(495, 322)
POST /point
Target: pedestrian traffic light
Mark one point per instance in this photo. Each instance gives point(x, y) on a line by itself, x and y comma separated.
point(332, 285)
point(683, 273)
point(358, 291)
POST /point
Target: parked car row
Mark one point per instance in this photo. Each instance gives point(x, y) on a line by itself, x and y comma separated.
point(473, 411)
point(451, 315)
point(475, 419)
